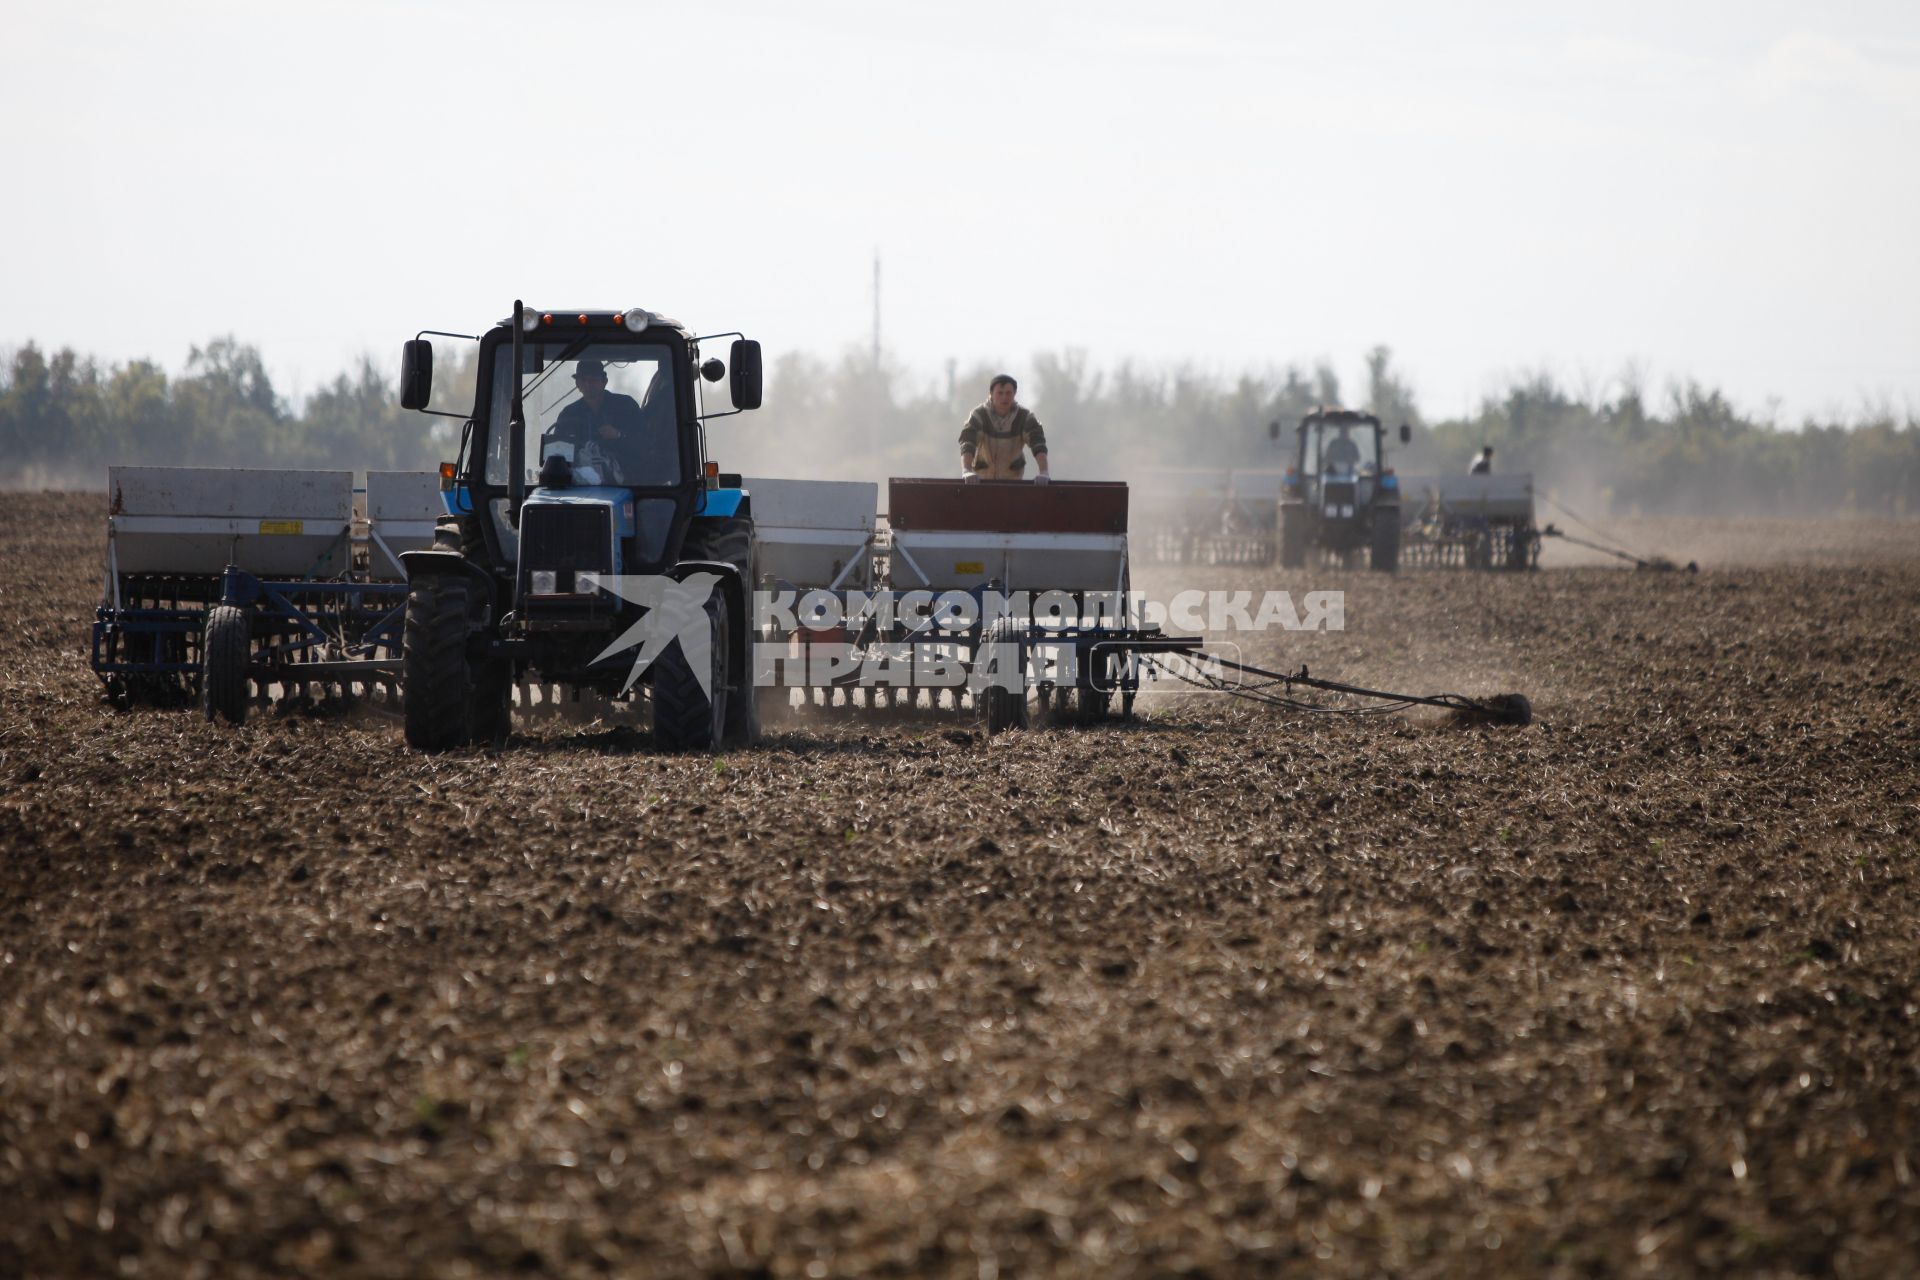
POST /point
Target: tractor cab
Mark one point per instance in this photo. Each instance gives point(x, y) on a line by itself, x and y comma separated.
point(1339, 495)
point(582, 477)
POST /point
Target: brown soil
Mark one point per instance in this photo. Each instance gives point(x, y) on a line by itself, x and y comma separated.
point(1629, 991)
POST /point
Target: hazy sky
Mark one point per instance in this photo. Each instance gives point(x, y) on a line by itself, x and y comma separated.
point(1724, 190)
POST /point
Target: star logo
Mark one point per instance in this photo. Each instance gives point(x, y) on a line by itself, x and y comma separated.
point(676, 609)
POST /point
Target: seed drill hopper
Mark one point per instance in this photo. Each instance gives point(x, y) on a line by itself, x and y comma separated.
point(1469, 521)
point(231, 586)
point(1015, 600)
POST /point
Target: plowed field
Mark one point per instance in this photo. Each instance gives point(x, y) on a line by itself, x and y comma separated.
point(1226, 991)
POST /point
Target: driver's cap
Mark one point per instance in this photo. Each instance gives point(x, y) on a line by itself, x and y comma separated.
point(590, 369)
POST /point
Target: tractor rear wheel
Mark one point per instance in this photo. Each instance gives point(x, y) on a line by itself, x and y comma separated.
point(686, 716)
point(1293, 536)
point(732, 542)
point(439, 684)
point(226, 646)
point(1385, 548)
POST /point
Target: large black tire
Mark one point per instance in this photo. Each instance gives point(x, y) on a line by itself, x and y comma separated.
point(685, 716)
point(1293, 536)
point(1384, 552)
point(732, 542)
point(226, 647)
point(439, 689)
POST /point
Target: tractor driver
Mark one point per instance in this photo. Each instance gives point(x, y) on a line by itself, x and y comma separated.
point(994, 443)
point(1342, 454)
point(606, 418)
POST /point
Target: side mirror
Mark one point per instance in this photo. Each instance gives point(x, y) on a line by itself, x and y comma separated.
point(743, 360)
point(1406, 433)
point(416, 374)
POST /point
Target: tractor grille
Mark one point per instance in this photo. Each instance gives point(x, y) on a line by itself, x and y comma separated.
point(568, 539)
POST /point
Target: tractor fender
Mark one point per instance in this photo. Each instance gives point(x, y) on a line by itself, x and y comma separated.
point(733, 593)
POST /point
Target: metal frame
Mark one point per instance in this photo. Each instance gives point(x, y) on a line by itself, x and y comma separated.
point(343, 630)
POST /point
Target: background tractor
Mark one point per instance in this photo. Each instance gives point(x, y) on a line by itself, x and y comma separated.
point(543, 524)
point(1339, 496)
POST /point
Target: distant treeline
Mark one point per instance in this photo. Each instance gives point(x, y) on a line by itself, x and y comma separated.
point(64, 418)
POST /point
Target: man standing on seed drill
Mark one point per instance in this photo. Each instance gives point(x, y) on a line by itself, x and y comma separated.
point(994, 443)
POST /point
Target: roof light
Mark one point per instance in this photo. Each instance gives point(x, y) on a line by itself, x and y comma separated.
point(546, 319)
point(583, 317)
point(636, 318)
point(529, 320)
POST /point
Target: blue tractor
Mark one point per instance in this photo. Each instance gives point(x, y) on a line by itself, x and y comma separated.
point(587, 539)
point(1339, 495)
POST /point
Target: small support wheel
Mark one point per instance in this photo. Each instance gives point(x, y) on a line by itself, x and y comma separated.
point(1004, 697)
point(227, 647)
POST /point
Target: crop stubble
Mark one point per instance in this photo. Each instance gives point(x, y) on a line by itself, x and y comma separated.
point(1632, 989)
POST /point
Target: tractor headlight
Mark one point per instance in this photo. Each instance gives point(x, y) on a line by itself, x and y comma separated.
point(636, 319)
point(546, 582)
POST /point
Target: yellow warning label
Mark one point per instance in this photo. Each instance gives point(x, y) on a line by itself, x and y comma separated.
point(969, 566)
point(282, 526)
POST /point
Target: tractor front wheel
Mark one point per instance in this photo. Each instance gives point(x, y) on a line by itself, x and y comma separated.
point(439, 685)
point(687, 714)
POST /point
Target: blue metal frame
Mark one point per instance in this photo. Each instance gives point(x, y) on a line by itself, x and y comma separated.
point(150, 624)
point(292, 617)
